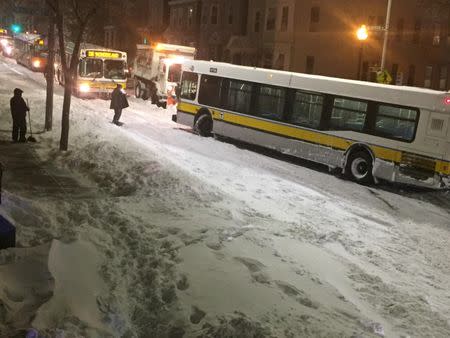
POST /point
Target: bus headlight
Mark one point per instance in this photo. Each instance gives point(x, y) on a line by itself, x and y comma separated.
point(85, 88)
point(36, 63)
point(8, 50)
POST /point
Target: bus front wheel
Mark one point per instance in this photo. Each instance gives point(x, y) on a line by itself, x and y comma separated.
point(204, 125)
point(359, 167)
point(137, 90)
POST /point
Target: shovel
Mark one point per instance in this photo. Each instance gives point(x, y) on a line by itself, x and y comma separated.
point(30, 138)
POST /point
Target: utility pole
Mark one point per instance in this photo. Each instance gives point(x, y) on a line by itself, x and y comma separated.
point(50, 74)
point(386, 34)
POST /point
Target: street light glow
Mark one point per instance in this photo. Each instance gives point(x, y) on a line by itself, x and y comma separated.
point(362, 33)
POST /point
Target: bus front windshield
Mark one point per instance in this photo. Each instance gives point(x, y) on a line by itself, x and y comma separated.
point(115, 69)
point(91, 68)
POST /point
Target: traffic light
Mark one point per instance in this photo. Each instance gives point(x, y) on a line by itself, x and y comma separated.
point(16, 28)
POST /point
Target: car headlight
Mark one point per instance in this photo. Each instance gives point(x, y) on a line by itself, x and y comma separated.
point(36, 63)
point(84, 88)
point(8, 50)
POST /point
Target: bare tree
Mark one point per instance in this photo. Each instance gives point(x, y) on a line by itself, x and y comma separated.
point(71, 17)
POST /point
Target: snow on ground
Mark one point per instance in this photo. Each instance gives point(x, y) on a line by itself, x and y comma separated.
point(150, 231)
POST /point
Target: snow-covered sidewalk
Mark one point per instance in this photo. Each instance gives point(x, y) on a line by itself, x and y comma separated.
point(151, 231)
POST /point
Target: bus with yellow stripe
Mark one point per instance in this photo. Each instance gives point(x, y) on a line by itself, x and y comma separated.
point(99, 70)
point(368, 131)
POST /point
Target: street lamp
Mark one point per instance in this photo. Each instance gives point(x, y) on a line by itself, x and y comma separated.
point(361, 34)
point(386, 34)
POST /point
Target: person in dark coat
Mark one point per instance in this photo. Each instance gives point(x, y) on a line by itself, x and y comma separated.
point(19, 113)
point(118, 102)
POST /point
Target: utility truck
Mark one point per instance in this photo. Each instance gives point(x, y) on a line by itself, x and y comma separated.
point(157, 71)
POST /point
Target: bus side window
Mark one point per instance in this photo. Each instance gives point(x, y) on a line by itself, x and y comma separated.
point(396, 122)
point(189, 83)
point(239, 96)
point(210, 90)
point(307, 109)
point(348, 114)
point(269, 102)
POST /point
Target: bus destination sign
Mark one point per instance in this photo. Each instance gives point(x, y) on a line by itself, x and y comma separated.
point(103, 54)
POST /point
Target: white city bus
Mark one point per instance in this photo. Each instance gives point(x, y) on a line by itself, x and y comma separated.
point(367, 130)
point(99, 70)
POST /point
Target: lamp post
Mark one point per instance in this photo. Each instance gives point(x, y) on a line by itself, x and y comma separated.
point(361, 34)
point(386, 34)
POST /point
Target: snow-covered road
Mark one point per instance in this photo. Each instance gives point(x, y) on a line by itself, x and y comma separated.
point(199, 237)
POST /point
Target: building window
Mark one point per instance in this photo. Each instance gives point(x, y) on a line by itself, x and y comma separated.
point(417, 28)
point(284, 19)
point(436, 34)
point(214, 15)
point(315, 18)
point(257, 21)
point(309, 65)
point(230, 16)
point(394, 72)
point(280, 62)
point(267, 59)
point(190, 16)
point(271, 19)
point(443, 77)
point(400, 29)
point(180, 17)
point(428, 76)
point(174, 16)
point(411, 75)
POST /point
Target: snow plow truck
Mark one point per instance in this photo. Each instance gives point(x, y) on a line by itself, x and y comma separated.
point(157, 71)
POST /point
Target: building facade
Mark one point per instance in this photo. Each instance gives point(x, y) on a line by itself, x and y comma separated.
point(184, 23)
point(220, 20)
point(158, 19)
point(318, 37)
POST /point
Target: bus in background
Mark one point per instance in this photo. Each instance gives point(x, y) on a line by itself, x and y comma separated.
point(99, 70)
point(6, 43)
point(157, 70)
point(366, 130)
point(31, 51)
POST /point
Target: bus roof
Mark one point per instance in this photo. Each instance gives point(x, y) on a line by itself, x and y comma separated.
point(85, 46)
point(401, 95)
point(28, 37)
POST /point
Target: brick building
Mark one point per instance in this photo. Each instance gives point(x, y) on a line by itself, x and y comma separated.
point(184, 22)
point(318, 37)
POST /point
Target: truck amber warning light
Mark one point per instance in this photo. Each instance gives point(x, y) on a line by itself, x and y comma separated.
point(103, 54)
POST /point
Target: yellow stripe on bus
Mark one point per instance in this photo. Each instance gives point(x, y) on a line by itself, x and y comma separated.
point(335, 142)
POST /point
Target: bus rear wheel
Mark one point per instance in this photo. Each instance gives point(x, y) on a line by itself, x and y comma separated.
point(204, 125)
point(359, 167)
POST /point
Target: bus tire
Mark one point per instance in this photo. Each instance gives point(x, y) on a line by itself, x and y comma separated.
point(359, 167)
point(138, 90)
point(203, 125)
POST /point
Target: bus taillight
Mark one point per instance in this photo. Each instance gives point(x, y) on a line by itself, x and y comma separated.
point(447, 100)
